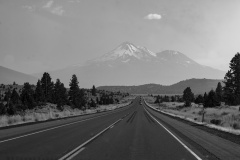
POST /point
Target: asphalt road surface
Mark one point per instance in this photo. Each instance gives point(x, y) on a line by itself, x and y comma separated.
point(129, 133)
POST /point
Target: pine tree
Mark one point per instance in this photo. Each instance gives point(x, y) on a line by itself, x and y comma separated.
point(97, 100)
point(7, 95)
point(39, 94)
point(199, 99)
point(93, 91)
point(188, 96)
point(232, 82)
point(211, 100)
point(157, 99)
point(93, 103)
point(173, 99)
point(15, 98)
point(27, 96)
point(219, 92)
point(47, 87)
point(60, 94)
point(74, 92)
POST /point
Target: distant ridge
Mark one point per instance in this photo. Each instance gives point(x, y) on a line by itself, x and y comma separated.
point(198, 86)
point(8, 76)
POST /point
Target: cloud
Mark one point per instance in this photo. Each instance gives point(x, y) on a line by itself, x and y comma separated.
point(30, 8)
point(152, 16)
point(58, 11)
point(48, 4)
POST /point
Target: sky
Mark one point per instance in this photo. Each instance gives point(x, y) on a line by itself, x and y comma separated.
point(45, 35)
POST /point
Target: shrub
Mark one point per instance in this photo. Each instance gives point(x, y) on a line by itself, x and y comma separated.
point(224, 113)
point(236, 125)
point(215, 121)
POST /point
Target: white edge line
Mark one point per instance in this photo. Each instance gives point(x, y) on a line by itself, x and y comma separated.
point(76, 153)
point(85, 143)
point(194, 154)
point(56, 127)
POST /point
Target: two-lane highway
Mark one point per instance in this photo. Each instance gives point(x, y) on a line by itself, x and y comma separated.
point(129, 133)
point(137, 137)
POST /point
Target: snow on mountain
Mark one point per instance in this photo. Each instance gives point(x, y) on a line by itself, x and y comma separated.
point(126, 52)
point(129, 64)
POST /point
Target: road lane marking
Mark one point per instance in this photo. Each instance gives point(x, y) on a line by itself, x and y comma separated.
point(10, 139)
point(74, 151)
point(194, 154)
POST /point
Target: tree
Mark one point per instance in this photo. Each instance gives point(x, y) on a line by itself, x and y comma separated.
point(97, 100)
point(7, 95)
point(75, 94)
point(199, 99)
point(3, 109)
point(219, 92)
point(157, 99)
point(93, 91)
point(39, 94)
point(27, 96)
point(211, 100)
point(60, 94)
point(232, 82)
point(15, 98)
point(173, 99)
point(93, 103)
point(47, 87)
point(188, 96)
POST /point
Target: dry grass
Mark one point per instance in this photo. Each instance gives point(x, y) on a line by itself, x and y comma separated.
point(43, 113)
point(229, 116)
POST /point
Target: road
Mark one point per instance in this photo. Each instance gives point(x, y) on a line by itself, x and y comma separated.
point(133, 133)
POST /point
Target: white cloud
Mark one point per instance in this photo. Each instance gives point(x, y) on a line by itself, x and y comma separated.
point(152, 16)
point(58, 10)
point(48, 4)
point(30, 8)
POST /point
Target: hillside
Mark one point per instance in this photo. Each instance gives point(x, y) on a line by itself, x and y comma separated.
point(198, 86)
point(8, 76)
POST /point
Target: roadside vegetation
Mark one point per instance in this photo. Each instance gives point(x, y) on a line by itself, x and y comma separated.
point(220, 107)
point(48, 100)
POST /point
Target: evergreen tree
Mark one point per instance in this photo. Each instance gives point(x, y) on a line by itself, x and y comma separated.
point(157, 99)
point(15, 98)
point(39, 94)
point(7, 95)
point(232, 82)
point(27, 96)
point(47, 87)
point(219, 92)
point(188, 96)
point(74, 92)
point(97, 100)
point(173, 99)
point(60, 94)
point(211, 100)
point(93, 91)
point(199, 99)
point(93, 103)
point(3, 109)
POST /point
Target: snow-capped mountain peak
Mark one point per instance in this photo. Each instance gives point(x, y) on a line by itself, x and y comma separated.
point(127, 51)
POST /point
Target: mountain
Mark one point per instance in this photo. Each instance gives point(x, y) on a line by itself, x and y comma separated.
point(129, 64)
point(198, 86)
point(8, 76)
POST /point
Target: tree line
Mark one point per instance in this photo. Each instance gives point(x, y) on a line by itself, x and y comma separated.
point(46, 91)
point(229, 93)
